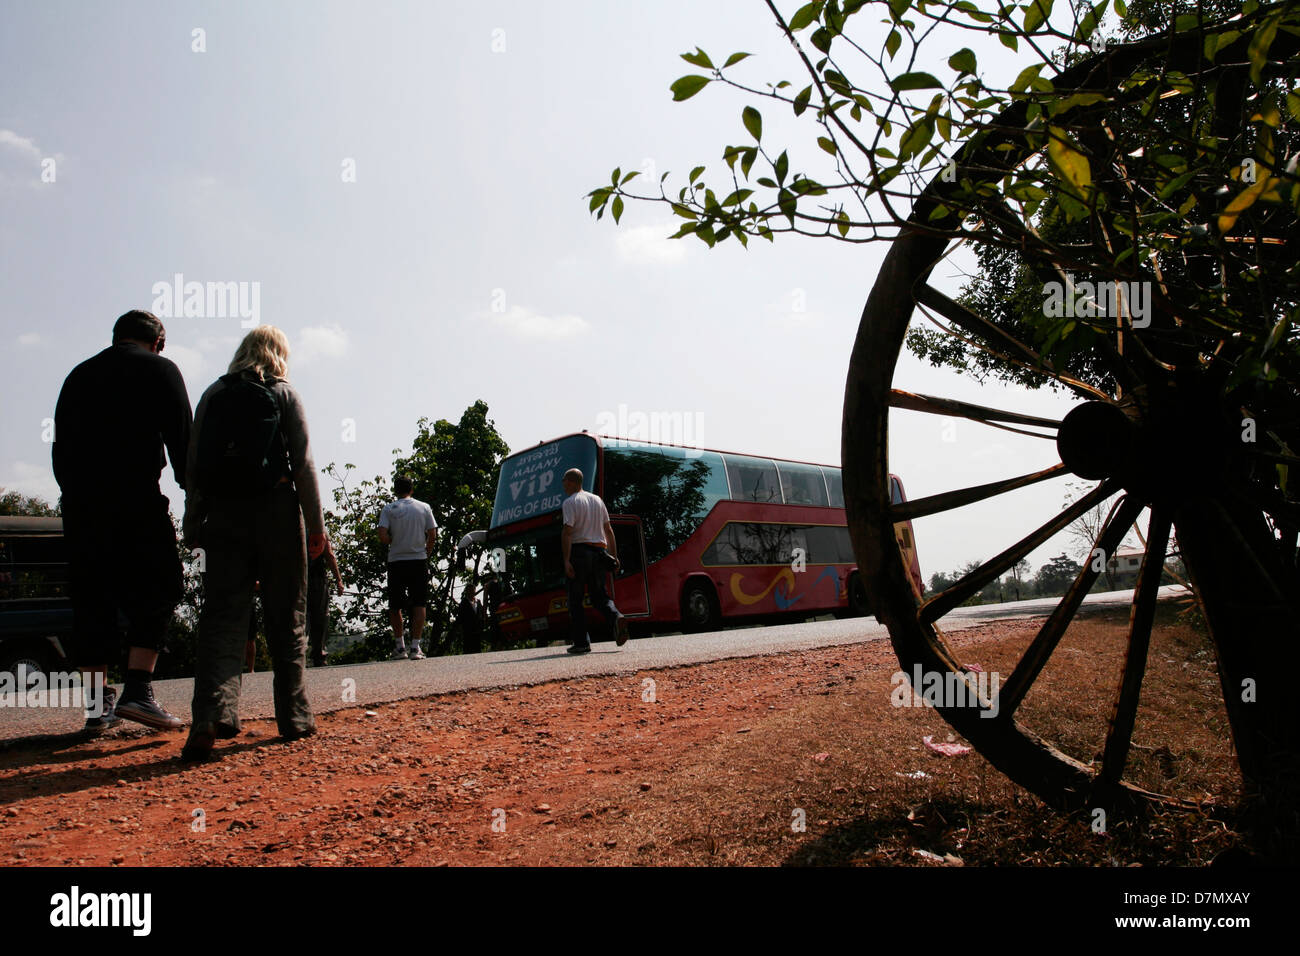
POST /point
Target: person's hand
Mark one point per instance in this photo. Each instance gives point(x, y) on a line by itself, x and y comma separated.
point(568, 569)
point(316, 545)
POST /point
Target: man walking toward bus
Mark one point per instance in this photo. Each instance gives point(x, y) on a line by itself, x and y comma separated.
point(589, 552)
point(407, 527)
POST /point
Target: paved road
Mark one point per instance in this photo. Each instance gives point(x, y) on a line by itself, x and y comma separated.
point(394, 680)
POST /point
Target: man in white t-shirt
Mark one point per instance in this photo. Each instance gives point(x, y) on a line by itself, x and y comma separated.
point(408, 528)
point(589, 553)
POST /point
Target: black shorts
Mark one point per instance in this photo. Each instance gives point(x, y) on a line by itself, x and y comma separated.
point(125, 571)
point(408, 584)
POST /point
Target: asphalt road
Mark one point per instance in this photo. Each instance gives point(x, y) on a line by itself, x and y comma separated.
point(386, 681)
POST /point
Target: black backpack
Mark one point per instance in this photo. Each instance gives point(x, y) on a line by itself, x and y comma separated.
point(242, 452)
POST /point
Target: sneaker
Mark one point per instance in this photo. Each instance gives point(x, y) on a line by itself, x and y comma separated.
point(580, 649)
point(144, 709)
point(399, 654)
point(620, 628)
point(416, 653)
point(108, 715)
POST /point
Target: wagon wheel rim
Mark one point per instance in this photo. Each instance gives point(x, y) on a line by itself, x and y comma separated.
point(1250, 600)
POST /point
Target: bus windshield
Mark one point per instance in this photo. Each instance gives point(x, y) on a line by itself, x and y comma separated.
point(533, 562)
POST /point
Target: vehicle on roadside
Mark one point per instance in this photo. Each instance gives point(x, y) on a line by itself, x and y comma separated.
point(35, 608)
point(704, 537)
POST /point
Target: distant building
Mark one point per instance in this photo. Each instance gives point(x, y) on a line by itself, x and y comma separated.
point(1123, 568)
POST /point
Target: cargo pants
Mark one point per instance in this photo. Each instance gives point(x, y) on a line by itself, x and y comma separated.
point(245, 541)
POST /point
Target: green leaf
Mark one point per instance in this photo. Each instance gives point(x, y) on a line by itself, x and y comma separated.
point(963, 61)
point(781, 166)
point(1088, 25)
point(1075, 99)
point(747, 161)
point(1026, 76)
point(821, 39)
point(842, 222)
point(914, 81)
point(916, 138)
point(767, 181)
point(696, 173)
point(753, 121)
point(734, 59)
point(698, 58)
point(1240, 203)
point(893, 42)
point(616, 207)
point(1037, 12)
point(687, 86)
point(633, 173)
point(1177, 183)
point(737, 197)
point(805, 15)
point(899, 7)
point(686, 229)
point(1069, 165)
point(1008, 40)
point(828, 145)
point(788, 203)
point(1258, 50)
point(613, 179)
point(801, 100)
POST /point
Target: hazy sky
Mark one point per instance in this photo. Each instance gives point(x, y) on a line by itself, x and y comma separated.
point(404, 183)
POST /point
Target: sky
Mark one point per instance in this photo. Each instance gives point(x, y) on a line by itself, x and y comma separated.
point(401, 188)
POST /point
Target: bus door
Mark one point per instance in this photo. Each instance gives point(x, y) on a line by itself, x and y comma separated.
point(631, 590)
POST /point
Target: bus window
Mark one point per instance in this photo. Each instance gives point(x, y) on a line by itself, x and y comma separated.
point(670, 493)
point(834, 487)
point(629, 550)
point(802, 484)
point(895, 492)
point(753, 479)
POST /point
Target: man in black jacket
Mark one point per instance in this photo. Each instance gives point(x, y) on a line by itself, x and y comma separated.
point(115, 414)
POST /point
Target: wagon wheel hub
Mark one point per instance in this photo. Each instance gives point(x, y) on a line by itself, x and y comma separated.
point(1162, 451)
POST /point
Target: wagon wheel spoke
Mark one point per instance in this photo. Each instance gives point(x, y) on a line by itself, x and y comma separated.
point(980, 327)
point(973, 583)
point(934, 405)
point(1141, 617)
point(948, 500)
point(1049, 635)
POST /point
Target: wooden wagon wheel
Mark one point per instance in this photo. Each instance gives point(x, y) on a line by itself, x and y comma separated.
point(1169, 441)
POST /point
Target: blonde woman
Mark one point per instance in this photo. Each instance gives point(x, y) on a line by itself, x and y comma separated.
point(252, 490)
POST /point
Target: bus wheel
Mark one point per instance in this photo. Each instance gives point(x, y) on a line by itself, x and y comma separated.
point(857, 596)
point(700, 608)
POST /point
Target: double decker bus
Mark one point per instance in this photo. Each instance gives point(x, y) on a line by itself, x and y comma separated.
point(704, 537)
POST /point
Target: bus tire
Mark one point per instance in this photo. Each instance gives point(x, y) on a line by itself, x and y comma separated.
point(857, 597)
point(700, 610)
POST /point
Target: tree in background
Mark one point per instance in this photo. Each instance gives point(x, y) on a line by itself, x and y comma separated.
point(15, 503)
point(1055, 577)
point(454, 468)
